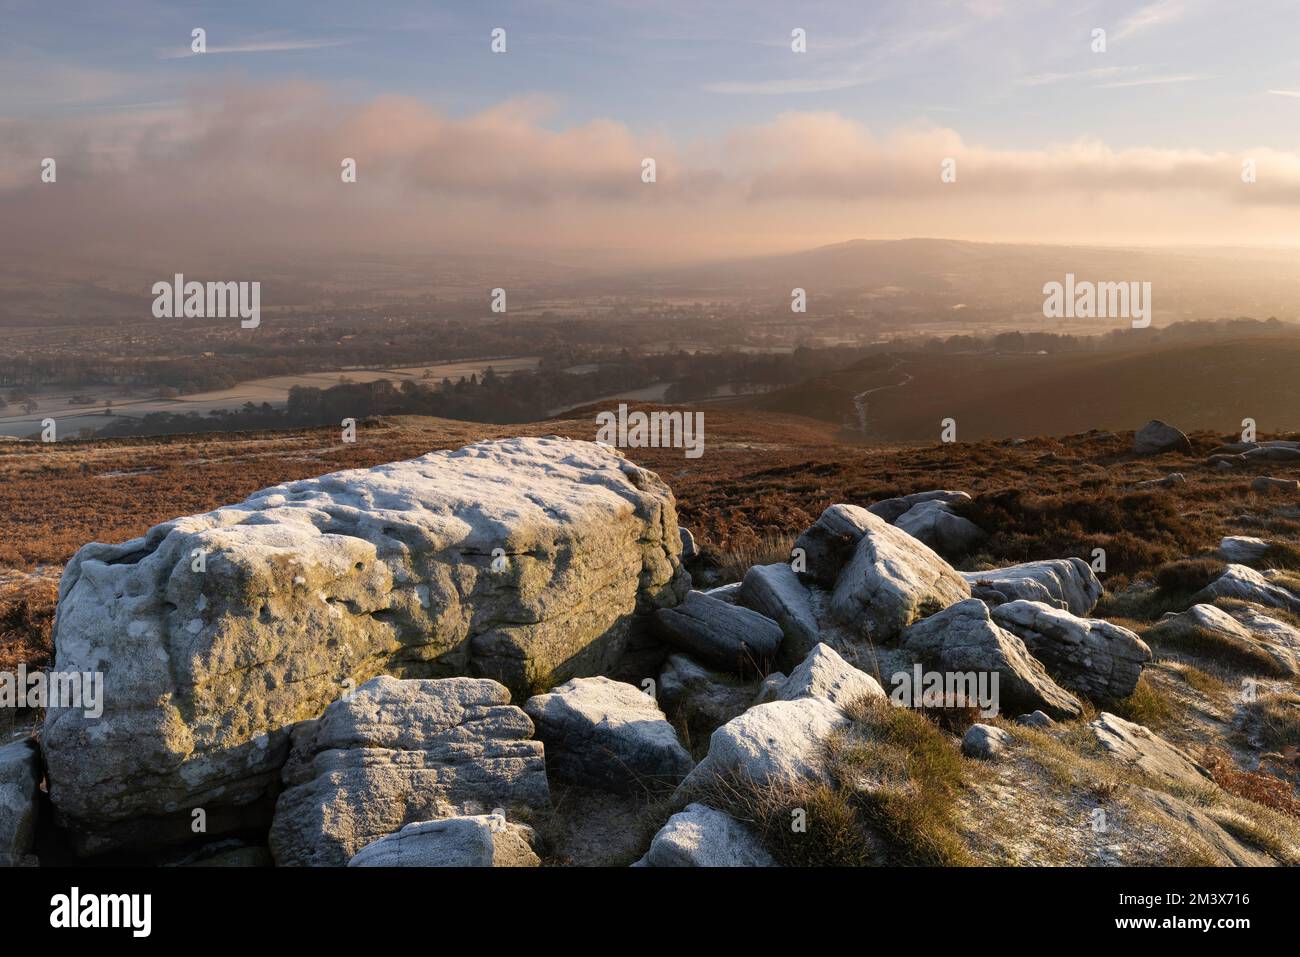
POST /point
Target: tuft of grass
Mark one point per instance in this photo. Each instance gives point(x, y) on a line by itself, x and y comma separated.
point(1275, 717)
point(1262, 788)
point(733, 561)
point(1281, 555)
point(1204, 682)
point(26, 622)
point(1188, 575)
point(1149, 704)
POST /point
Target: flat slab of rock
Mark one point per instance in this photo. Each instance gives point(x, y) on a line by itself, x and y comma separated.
point(699, 836)
point(1228, 629)
point(1265, 627)
point(777, 592)
point(1067, 583)
point(481, 840)
point(1157, 436)
point(985, 742)
point(1243, 548)
point(1139, 747)
point(720, 634)
point(608, 735)
point(1246, 584)
point(519, 559)
point(20, 791)
point(824, 674)
point(965, 639)
point(891, 509)
point(936, 525)
point(396, 752)
point(891, 581)
point(1230, 850)
point(780, 742)
point(1088, 655)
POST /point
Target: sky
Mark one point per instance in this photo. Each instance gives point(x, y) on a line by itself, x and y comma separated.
point(758, 148)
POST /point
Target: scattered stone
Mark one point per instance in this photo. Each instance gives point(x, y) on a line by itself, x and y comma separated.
point(1141, 748)
point(396, 752)
point(700, 698)
point(1210, 618)
point(1243, 549)
point(777, 592)
point(1067, 583)
point(699, 836)
point(780, 742)
point(315, 583)
point(609, 735)
point(1266, 628)
point(1088, 655)
point(825, 675)
point(719, 634)
point(1169, 481)
point(891, 509)
point(1243, 582)
point(938, 526)
point(964, 638)
point(1266, 484)
point(770, 689)
point(1157, 436)
point(891, 581)
point(689, 549)
point(20, 792)
point(1272, 453)
point(1035, 719)
point(985, 741)
point(480, 840)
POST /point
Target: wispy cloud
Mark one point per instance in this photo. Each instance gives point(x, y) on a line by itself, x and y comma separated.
point(1153, 81)
point(1045, 79)
point(1153, 15)
point(262, 46)
point(1294, 93)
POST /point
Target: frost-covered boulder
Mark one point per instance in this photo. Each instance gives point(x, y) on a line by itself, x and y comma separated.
point(938, 526)
point(723, 635)
point(891, 581)
point(1067, 583)
point(824, 674)
point(608, 735)
point(479, 840)
point(964, 638)
point(20, 791)
point(777, 592)
point(699, 836)
point(1229, 632)
point(1243, 548)
point(1139, 747)
point(1088, 655)
point(396, 752)
point(520, 560)
point(1246, 584)
point(891, 509)
point(827, 545)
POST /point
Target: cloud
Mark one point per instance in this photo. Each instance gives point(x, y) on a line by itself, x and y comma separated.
point(254, 172)
point(255, 46)
point(1152, 16)
point(1295, 93)
point(1153, 81)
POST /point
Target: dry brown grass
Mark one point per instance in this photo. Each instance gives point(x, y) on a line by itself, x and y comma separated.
point(1266, 789)
point(26, 618)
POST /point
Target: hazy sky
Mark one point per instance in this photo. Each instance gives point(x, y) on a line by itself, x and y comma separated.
point(162, 151)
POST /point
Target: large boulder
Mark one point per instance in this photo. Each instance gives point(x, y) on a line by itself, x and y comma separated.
point(773, 744)
point(1265, 627)
point(720, 634)
point(1246, 584)
point(824, 674)
point(608, 735)
point(699, 836)
point(891, 581)
point(1137, 746)
point(1157, 436)
point(827, 545)
point(1088, 655)
point(20, 791)
point(1243, 548)
point(1067, 583)
point(891, 509)
point(777, 592)
point(396, 752)
point(1274, 657)
point(479, 840)
point(964, 638)
point(522, 560)
point(1267, 484)
point(938, 526)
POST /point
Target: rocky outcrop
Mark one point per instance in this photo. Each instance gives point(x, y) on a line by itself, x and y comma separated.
point(964, 638)
point(1224, 847)
point(1141, 748)
point(608, 735)
point(20, 792)
point(827, 545)
point(720, 634)
point(1230, 633)
point(1067, 583)
point(1087, 655)
point(396, 752)
point(699, 836)
point(480, 840)
point(935, 524)
point(1265, 627)
point(1266, 484)
point(1246, 584)
point(891, 581)
point(777, 743)
point(522, 560)
point(891, 509)
point(777, 592)
point(1243, 548)
point(985, 742)
point(825, 675)
point(1157, 436)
